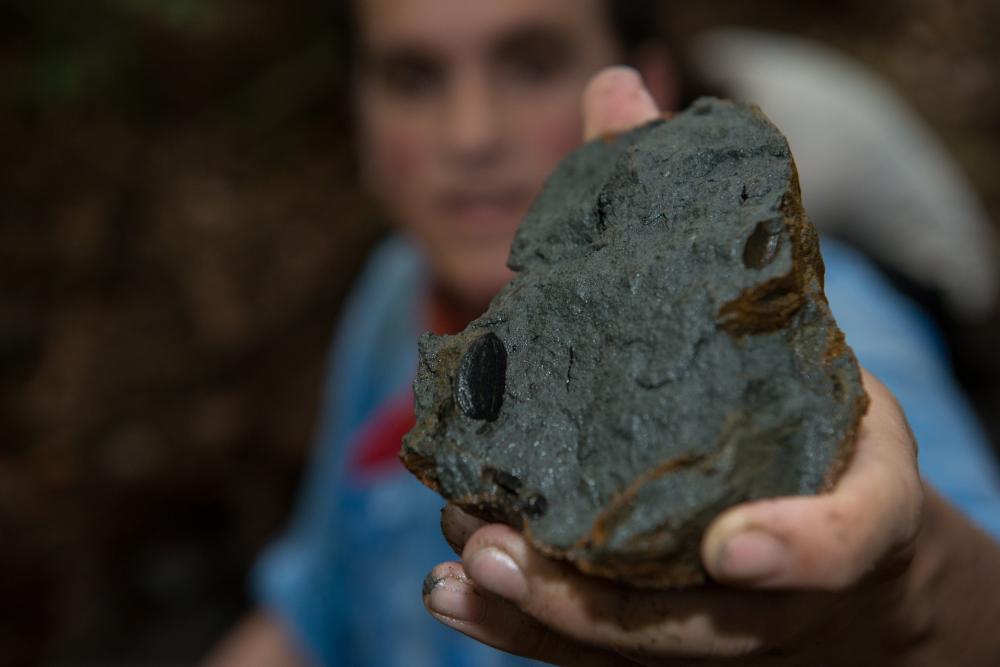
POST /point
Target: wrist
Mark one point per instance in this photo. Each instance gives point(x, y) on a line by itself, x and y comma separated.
point(951, 595)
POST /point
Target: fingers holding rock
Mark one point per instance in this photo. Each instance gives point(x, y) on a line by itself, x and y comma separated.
point(606, 614)
point(457, 527)
point(614, 101)
point(456, 601)
point(830, 541)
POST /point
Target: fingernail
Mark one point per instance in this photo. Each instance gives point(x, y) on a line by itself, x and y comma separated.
point(497, 572)
point(452, 597)
point(751, 556)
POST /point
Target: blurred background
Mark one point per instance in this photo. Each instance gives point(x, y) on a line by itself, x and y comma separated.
point(178, 226)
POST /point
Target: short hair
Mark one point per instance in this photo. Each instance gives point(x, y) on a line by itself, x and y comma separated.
point(634, 23)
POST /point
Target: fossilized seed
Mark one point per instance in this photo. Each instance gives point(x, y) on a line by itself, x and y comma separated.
point(764, 244)
point(482, 378)
point(535, 506)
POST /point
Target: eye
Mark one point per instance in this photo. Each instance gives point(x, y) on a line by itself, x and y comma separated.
point(763, 244)
point(534, 67)
point(482, 378)
point(409, 76)
point(534, 58)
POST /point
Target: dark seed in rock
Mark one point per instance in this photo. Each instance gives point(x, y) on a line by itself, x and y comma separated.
point(482, 377)
point(535, 506)
point(504, 480)
point(763, 245)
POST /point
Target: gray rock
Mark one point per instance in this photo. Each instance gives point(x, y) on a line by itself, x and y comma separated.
point(666, 351)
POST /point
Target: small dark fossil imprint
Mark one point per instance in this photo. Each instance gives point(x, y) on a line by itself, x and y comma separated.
point(482, 378)
point(506, 481)
point(535, 506)
point(764, 243)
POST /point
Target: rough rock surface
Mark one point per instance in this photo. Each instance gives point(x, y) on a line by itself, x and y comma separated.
point(666, 351)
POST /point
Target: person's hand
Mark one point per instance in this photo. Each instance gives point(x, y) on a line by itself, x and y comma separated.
point(813, 580)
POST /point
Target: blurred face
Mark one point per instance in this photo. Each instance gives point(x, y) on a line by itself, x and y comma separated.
point(465, 106)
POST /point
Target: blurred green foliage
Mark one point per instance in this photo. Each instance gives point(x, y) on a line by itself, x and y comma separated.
point(158, 60)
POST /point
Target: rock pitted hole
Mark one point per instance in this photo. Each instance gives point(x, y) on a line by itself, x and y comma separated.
point(482, 378)
point(535, 506)
point(506, 481)
point(763, 245)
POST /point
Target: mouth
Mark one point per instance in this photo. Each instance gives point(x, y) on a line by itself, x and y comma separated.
point(486, 211)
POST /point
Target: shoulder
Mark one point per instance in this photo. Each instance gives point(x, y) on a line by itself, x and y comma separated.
point(372, 361)
point(374, 348)
point(387, 287)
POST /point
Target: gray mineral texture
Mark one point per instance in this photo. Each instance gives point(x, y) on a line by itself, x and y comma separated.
point(665, 351)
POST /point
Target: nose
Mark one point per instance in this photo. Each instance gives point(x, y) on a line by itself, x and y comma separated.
point(473, 119)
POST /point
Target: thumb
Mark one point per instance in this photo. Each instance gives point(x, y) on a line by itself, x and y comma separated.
point(616, 100)
point(833, 540)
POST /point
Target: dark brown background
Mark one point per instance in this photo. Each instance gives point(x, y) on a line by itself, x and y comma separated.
point(177, 229)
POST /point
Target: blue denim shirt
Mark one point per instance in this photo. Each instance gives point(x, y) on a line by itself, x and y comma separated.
point(346, 576)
